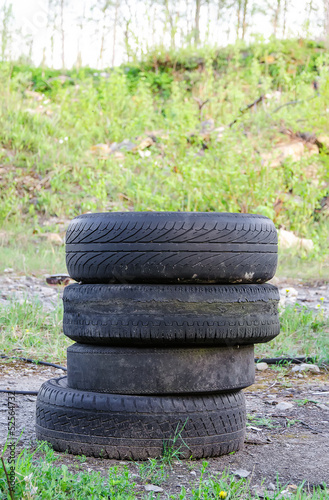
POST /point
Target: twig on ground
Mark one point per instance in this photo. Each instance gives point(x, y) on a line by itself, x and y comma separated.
point(297, 101)
point(243, 110)
point(272, 385)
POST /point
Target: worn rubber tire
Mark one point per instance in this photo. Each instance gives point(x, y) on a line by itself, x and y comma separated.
point(136, 427)
point(126, 370)
point(171, 315)
point(171, 247)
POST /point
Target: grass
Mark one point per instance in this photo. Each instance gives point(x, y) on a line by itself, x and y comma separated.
point(27, 330)
point(253, 420)
point(29, 251)
point(293, 264)
point(303, 333)
point(41, 475)
point(39, 478)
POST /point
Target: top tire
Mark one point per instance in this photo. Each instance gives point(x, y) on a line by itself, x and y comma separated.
point(171, 247)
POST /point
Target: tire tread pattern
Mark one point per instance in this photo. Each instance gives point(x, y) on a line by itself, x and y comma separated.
point(252, 237)
point(116, 426)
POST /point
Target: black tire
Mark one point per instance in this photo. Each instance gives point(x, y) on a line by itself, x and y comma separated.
point(124, 370)
point(137, 427)
point(171, 247)
point(171, 315)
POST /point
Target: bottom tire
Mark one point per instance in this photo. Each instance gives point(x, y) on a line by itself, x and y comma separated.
point(139, 427)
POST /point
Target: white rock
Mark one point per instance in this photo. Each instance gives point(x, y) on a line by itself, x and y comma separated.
point(305, 367)
point(261, 366)
point(241, 472)
point(283, 405)
point(153, 487)
point(287, 239)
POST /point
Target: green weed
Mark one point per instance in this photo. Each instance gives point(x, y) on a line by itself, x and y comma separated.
point(154, 471)
point(26, 250)
point(27, 330)
point(303, 333)
point(254, 420)
point(40, 474)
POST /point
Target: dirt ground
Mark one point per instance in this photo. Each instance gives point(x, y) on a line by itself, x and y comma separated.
point(290, 444)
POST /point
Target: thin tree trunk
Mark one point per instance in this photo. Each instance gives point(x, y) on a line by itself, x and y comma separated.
point(326, 22)
point(101, 49)
point(126, 38)
point(44, 49)
point(188, 29)
point(197, 22)
point(5, 30)
point(276, 17)
point(81, 25)
point(115, 29)
point(285, 9)
point(244, 19)
point(170, 20)
point(79, 56)
point(52, 49)
point(153, 27)
point(238, 19)
point(30, 44)
point(62, 34)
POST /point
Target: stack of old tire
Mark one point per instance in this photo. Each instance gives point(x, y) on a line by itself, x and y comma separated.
point(165, 314)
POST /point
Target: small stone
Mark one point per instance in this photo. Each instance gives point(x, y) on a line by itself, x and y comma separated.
point(287, 239)
point(261, 366)
point(8, 270)
point(53, 238)
point(241, 473)
point(48, 292)
point(126, 145)
point(153, 487)
point(282, 406)
point(305, 367)
point(193, 473)
point(271, 487)
point(284, 494)
point(260, 492)
point(272, 400)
